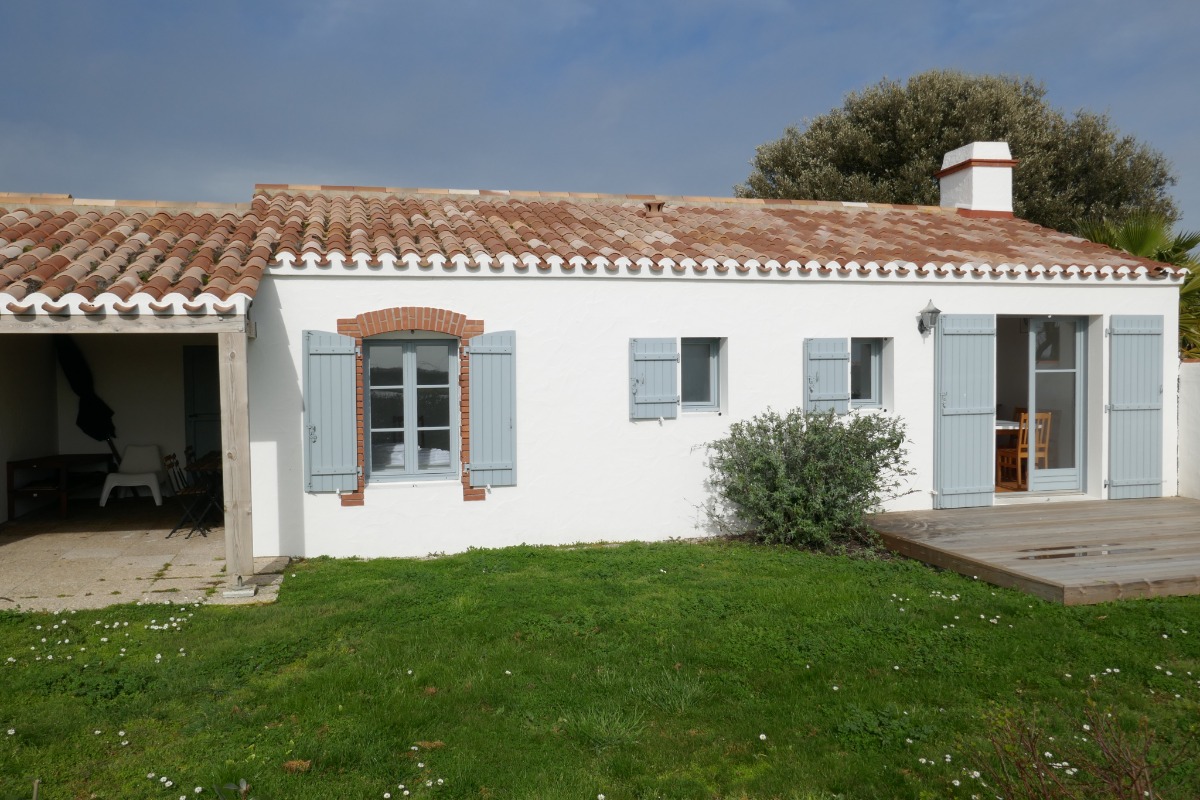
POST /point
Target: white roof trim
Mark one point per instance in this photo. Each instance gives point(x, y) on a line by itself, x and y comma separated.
point(171, 305)
point(337, 263)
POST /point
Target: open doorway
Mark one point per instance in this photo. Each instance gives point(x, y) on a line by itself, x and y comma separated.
point(1040, 394)
point(201, 399)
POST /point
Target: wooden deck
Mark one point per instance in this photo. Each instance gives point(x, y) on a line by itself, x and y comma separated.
point(1075, 553)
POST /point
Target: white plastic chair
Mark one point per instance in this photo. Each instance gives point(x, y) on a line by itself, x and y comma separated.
point(140, 465)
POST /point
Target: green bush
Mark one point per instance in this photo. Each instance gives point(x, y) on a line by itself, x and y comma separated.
point(805, 479)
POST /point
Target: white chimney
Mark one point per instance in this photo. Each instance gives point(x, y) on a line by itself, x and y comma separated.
point(977, 180)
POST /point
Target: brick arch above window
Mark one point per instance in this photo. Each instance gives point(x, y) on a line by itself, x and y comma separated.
point(414, 318)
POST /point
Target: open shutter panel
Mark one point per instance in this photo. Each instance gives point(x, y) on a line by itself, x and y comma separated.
point(653, 381)
point(1135, 409)
point(965, 437)
point(827, 375)
point(330, 432)
point(493, 408)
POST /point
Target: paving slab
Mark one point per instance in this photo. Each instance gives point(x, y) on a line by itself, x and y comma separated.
point(119, 554)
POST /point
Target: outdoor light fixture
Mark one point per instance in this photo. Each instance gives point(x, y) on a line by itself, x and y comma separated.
point(929, 317)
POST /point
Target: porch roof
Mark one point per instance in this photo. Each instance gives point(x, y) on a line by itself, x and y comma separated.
point(61, 255)
point(64, 256)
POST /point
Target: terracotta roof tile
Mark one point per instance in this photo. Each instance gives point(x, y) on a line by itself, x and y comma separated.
point(58, 245)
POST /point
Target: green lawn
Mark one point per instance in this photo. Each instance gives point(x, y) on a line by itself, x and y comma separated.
point(641, 671)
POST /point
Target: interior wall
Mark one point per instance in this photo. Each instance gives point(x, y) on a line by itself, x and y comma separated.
point(28, 423)
point(1012, 367)
point(140, 377)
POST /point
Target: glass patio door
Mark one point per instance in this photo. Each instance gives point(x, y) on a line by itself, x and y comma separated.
point(1056, 394)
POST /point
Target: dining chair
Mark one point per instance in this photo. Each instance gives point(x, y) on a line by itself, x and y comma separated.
point(1041, 439)
point(193, 496)
point(1012, 460)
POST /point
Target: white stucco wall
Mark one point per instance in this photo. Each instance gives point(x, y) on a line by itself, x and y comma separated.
point(1189, 429)
point(585, 471)
point(28, 424)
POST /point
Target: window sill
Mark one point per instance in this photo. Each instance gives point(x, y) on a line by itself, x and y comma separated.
point(883, 410)
point(411, 482)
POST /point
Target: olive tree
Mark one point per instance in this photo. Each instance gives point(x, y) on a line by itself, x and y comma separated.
point(886, 142)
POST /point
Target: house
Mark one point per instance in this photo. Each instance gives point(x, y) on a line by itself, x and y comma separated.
point(399, 372)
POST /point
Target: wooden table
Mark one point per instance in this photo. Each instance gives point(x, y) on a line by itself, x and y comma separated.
point(53, 476)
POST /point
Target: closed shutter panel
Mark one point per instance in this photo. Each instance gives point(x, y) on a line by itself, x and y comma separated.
point(330, 431)
point(653, 385)
point(827, 375)
point(493, 407)
point(1135, 412)
point(965, 449)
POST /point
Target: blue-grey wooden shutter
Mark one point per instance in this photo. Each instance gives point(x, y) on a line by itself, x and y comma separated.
point(827, 375)
point(493, 408)
point(653, 382)
point(1135, 409)
point(330, 416)
point(965, 411)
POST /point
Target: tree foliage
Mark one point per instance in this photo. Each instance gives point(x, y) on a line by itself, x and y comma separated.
point(1148, 234)
point(886, 142)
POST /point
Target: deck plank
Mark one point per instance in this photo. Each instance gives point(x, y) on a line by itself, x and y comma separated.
point(1075, 552)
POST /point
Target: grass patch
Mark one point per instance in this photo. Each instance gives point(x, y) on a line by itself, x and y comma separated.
point(709, 670)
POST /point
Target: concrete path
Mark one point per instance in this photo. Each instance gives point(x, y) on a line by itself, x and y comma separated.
point(92, 561)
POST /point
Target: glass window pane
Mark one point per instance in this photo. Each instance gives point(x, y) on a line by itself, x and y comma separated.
point(695, 369)
point(419, 377)
point(433, 408)
point(387, 451)
point(1055, 394)
point(1054, 345)
point(387, 365)
point(863, 380)
point(434, 452)
point(433, 364)
point(387, 408)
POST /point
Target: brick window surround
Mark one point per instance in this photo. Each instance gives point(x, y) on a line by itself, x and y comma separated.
point(411, 318)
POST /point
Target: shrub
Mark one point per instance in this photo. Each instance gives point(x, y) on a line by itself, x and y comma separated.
point(805, 479)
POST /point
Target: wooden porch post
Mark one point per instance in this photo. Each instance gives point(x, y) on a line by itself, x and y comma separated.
point(235, 456)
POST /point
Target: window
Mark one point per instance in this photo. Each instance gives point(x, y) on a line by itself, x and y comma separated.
point(700, 378)
point(866, 373)
point(421, 389)
point(412, 415)
point(665, 374)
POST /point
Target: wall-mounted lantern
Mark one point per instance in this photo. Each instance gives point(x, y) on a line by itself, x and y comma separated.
point(929, 318)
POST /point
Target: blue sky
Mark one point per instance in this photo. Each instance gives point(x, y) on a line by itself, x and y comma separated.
point(201, 100)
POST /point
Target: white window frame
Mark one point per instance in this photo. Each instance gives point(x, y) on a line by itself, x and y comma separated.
point(715, 347)
point(874, 369)
point(410, 429)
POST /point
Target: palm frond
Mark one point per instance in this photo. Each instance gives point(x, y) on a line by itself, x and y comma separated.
point(1151, 235)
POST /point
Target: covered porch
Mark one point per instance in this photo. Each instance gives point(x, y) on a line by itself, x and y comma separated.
point(1072, 552)
point(140, 362)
